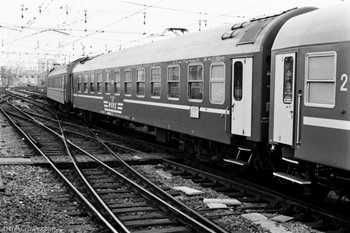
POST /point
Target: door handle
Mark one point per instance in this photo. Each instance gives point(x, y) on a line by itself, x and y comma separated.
point(227, 109)
point(298, 141)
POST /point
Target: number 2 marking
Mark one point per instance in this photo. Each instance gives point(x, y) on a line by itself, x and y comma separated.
point(344, 78)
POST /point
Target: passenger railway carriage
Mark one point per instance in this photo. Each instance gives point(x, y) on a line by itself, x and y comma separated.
point(310, 100)
point(210, 92)
point(55, 85)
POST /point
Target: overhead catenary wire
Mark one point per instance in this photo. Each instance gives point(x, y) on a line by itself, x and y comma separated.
point(43, 7)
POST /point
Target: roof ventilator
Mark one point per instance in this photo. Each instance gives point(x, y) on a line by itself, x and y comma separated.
point(234, 32)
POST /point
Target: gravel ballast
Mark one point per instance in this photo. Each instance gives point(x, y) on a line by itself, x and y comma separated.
point(34, 200)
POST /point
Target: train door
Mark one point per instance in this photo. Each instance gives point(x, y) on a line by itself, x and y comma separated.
point(283, 119)
point(241, 110)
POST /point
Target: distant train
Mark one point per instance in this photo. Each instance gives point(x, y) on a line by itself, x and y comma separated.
point(260, 93)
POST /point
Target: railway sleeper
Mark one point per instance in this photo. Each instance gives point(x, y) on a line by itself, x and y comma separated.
point(134, 209)
point(94, 178)
point(149, 222)
point(128, 205)
point(106, 185)
point(167, 230)
point(126, 195)
point(155, 215)
point(111, 191)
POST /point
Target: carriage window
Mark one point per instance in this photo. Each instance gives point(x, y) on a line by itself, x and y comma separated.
point(195, 82)
point(99, 83)
point(288, 80)
point(80, 83)
point(238, 81)
point(140, 83)
point(92, 83)
point(217, 84)
point(86, 83)
point(117, 83)
point(155, 82)
point(128, 83)
point(174, 82)
point(108, 83)
point(320, 79)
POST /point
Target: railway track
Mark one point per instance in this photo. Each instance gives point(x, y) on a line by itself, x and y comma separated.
point(110, 200)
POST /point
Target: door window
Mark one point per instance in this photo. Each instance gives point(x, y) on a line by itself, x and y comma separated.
point(288, 80)
point(238, 81)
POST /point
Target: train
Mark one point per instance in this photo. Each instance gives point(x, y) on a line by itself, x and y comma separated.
point(269, 93)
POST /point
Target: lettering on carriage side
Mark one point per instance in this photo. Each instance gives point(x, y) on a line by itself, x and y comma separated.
point(214, 59)
point(344, 79)
point(143, 65)
point(194, 60)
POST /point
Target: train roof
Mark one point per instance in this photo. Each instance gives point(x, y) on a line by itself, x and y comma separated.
point(58, 70)
point(65, 69)
point(248, 37)
point(323, 26)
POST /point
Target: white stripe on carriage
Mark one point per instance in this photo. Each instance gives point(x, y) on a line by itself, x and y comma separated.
point(176, 106)
point(120, 104)
point(88, 96)
point(112, 110)
point(327, 123)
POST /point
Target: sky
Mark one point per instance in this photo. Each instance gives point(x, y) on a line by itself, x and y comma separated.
point(67, 29)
